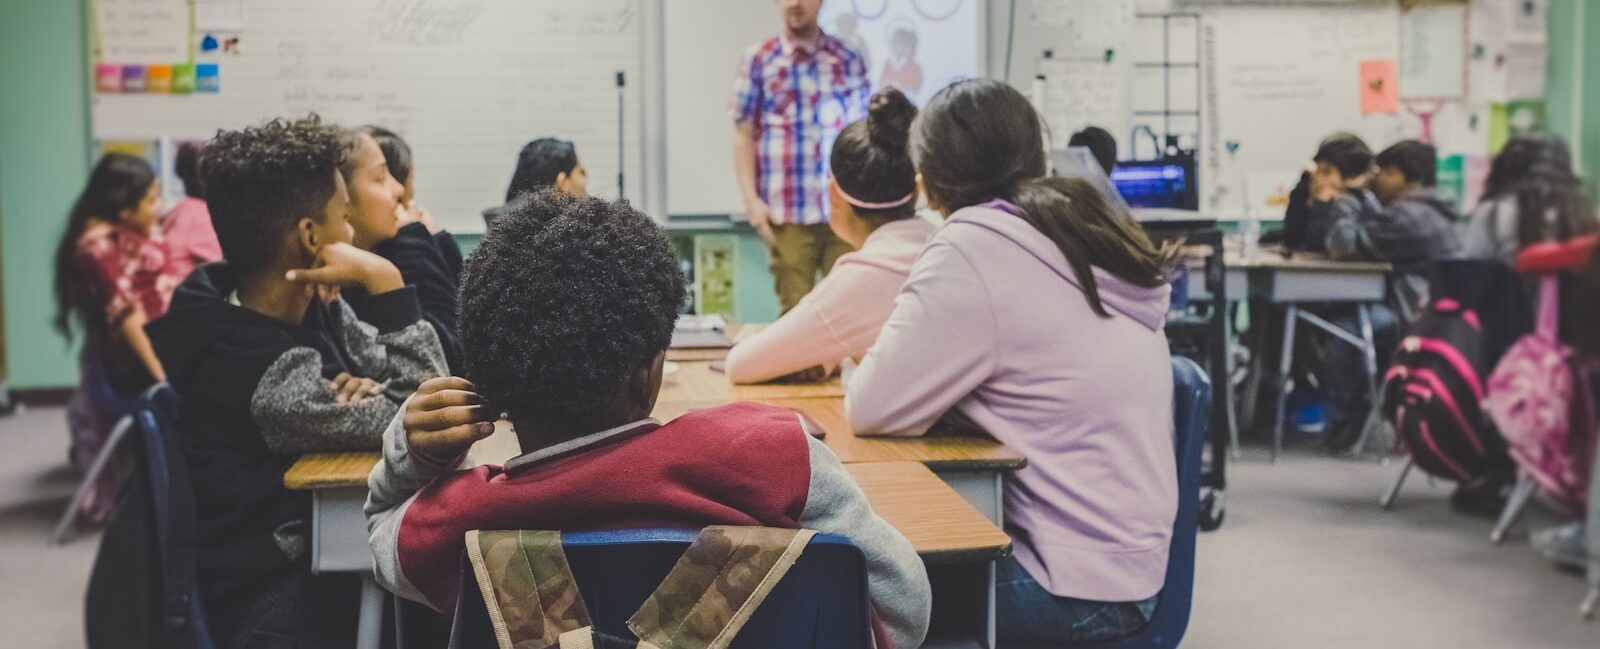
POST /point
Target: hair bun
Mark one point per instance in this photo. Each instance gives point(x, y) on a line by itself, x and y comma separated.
point(889, 117)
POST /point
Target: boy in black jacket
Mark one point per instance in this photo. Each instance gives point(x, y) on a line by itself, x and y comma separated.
point(271, 364)
point(1335, 189)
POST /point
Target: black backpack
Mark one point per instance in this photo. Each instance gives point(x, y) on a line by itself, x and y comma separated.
point(1432, 395)
point(142, 592)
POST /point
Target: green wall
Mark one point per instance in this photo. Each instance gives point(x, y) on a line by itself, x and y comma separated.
point(44, 157)
point(44, 145)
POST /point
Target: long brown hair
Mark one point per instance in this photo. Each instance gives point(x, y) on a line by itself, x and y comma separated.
point(980, 140)
point(118, 182)
point(1535, 171)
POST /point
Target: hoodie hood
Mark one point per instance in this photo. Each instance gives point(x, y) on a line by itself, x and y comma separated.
point(1147, 306)
point(894, 246)
point(1427, 199)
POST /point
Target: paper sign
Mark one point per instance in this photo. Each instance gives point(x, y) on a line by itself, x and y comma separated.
point(158, 78)
point(108, 77)
point(142, 31)
point(133, 79)
point(183, 78)
point(1380, 87)
point(1433, 54)
point(207, 78)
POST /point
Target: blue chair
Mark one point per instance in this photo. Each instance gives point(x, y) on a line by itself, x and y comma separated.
point(821, 602)
point(164, 507)
point(1191, 409)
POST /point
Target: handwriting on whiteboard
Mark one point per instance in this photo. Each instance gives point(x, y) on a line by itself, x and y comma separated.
point(424, 22)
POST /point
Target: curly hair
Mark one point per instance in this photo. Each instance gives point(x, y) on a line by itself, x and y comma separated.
point(261, 180)
point(562, 300)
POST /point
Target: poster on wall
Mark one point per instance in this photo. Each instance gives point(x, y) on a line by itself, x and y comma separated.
point(915, 46)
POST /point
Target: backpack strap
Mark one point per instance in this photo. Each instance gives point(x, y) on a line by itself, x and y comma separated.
point(716, 586)
point(527, 586)
point(1549, 322)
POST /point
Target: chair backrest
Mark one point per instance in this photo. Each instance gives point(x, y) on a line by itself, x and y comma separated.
point(172, 506)
point(1191, 407)
point(821, 602)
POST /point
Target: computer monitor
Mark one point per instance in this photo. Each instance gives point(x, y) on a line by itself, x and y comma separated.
point(1155, 184)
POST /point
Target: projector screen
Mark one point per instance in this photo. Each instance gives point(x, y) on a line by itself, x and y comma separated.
point(917, 46)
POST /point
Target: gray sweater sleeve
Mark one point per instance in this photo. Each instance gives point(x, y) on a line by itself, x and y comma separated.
point(297, 410)
point(397, 347)
point(896, 577)
point(391, 487)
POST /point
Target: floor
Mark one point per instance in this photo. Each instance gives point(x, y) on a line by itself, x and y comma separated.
point(1305, 559)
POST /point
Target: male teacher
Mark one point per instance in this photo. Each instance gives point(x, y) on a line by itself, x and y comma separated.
point(793, 95)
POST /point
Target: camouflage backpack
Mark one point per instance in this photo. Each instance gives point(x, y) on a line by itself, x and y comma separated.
point(533, 600)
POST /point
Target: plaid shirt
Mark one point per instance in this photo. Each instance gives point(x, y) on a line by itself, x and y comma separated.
point(799, 97)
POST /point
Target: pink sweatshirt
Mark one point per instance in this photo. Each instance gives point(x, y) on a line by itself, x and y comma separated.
point(992, 321)
point(190, 238)
point(842, 316)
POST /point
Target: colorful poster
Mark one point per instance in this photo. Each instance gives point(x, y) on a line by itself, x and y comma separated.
point(1380, 88)
point(1513, 118)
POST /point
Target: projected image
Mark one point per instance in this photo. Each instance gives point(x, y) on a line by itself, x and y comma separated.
point(892, 35)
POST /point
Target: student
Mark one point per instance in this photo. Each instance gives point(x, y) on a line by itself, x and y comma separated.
point(112, 275)
point(1415, 225)
point(578, 374)
point(1531, 195)
point(271, 365)
point(874, 196)
point(190, 239)
point(545, 162)
point(385, 224)
point(1334, 189)
point(1037, 313)
point(1100, 143)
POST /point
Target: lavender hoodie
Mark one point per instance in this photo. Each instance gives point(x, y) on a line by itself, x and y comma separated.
point(992, 321)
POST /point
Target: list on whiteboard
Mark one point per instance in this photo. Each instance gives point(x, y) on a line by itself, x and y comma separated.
point(1092, 27)
point(1084, 93)
point(1433, 52)
point(142, 31)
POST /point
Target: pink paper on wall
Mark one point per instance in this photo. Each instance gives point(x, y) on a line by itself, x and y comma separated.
point(1380, 87)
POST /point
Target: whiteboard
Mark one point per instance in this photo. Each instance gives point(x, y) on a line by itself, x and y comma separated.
point(702, 42)
point(466, 82)
point(1279, 80)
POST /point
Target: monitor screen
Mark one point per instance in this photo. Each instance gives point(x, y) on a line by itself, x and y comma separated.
point(1151, 184)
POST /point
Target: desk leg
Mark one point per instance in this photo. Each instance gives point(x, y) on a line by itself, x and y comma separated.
point(989, 637)
point(369, 632)
point(1291, 315)
point(1229, 339)
point(1369, 347)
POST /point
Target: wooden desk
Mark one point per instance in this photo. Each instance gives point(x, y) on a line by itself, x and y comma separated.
point(954, 539)
point(972, 465)
point(696, 382)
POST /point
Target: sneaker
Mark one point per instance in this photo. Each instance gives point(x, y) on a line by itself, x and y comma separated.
point(1566, 546)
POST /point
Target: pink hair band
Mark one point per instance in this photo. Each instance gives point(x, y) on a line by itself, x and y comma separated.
point(870, 206)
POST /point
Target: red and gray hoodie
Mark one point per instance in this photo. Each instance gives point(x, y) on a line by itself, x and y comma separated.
point(739, 464)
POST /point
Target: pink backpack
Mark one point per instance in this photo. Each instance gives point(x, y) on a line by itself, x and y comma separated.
point(1542, 402)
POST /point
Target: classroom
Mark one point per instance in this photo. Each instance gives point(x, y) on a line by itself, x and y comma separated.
point(979, 324)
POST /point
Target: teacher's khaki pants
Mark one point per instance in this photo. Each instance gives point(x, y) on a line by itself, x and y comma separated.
point(800, 254)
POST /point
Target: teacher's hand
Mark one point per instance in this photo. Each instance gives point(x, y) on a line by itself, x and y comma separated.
point(760, 216)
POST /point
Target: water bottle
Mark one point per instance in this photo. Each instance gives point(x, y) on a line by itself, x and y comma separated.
point(1250, 235)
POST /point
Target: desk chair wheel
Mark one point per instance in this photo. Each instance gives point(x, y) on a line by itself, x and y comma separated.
point(1213, 508)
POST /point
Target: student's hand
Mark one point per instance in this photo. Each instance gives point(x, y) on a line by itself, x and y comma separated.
point(760, 216)
point(354, 389)
point(341, 264)
point(1326, 186)
point(813, 374)
point(445, 417)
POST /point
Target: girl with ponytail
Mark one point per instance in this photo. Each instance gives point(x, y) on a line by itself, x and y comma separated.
point(1037, 314)
point(873, 194)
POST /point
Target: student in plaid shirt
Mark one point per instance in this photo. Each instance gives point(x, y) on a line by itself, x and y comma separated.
point(793, 95)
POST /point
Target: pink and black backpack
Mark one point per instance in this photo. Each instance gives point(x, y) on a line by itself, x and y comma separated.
point(1541, 399)
point(1432, 394)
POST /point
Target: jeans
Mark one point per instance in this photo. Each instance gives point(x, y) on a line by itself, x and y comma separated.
point(300, 611)
point(1026, 612)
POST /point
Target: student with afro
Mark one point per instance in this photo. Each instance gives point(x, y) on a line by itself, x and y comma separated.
point(567, 309)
